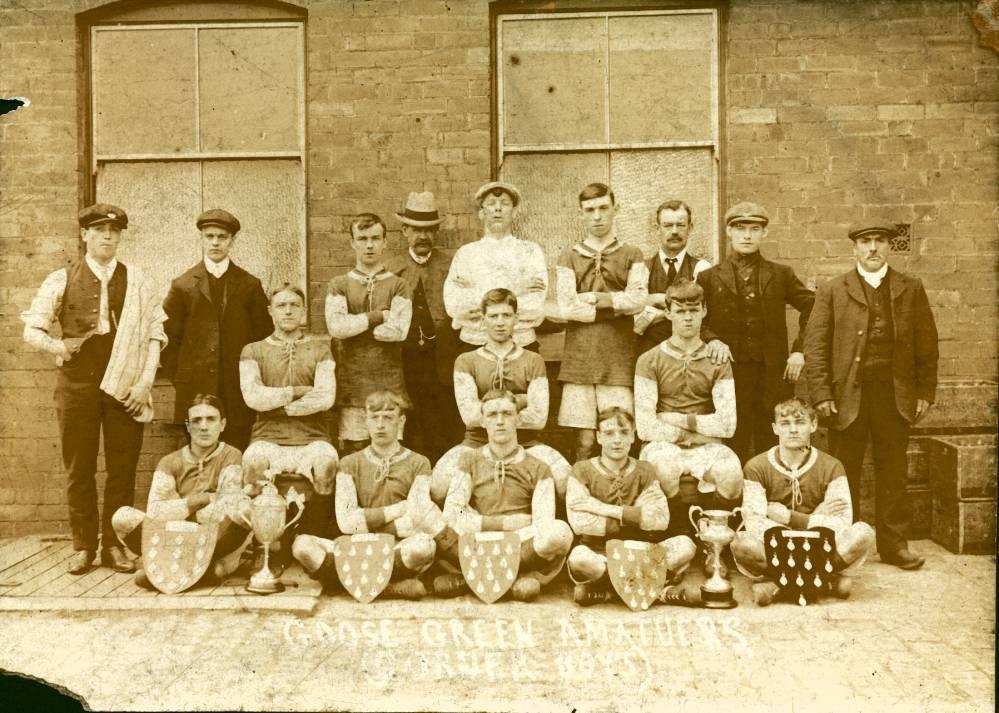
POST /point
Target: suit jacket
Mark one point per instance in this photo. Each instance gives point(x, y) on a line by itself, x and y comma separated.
point(202, 356)
point(779, 286)
point(837, 337)
point(434, 274)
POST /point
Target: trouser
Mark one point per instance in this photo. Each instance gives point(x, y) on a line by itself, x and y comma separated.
point(433, 423)
point(84, 412)
point(878, 418)
point(754, 431)
point(853, 544)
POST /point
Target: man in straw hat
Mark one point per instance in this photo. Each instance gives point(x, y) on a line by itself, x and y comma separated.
point(433, 419)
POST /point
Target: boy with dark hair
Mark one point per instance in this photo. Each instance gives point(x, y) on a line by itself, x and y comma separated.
point(601, 283)
point(368, 310)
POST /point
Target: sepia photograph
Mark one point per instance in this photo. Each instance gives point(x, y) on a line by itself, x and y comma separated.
point(499, 355)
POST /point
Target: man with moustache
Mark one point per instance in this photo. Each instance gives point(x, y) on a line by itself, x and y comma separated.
point(672, 262)
point(214, 310)
point(747, 297)
point(369, 310)
point(600, 285)
point(871, 363)
point(111, 327)
point(432, 422)
point(497, 259)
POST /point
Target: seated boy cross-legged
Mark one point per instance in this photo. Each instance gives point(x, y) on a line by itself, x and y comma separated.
point(502, 487)
point(384, 487)
point(798, 486)
point(613, 496)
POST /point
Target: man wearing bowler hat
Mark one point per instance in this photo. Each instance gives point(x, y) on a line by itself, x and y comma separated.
point(432, 423)
point(871, 365)
point(111, 325)
point(746, 297)
point(214, 310)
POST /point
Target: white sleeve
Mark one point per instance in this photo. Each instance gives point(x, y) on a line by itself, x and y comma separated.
point(461, 293)
point(457, 512)
point(754, 501)
point(396, 327)
point(582, 522)
point(340, 323)
point(839, 489)
point(632, 299)
point(466, 394)
point(349, 516)
point(654, 507)
point(543, 502)
point(570, 307)
point(650, 427)
point(38, 318)
point(721, 423)
point(535, 415)
point(258, 396)
point(531, 302)
point(164, 501)
point(322, 395)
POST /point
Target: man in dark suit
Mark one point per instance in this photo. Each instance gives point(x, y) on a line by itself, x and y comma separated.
point(746, 297)
point(670, 263)
point(213, 311)
point(432, 426)
point(871, 364)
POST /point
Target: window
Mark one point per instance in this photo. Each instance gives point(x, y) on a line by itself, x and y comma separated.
point(629, 98)
point(197, 115)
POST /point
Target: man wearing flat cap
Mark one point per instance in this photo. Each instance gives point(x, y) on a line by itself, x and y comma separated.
point(497, 259)
point(111, 325)
point(746, 298)
point(433, 421)
point(214, 310)
point(871, 365)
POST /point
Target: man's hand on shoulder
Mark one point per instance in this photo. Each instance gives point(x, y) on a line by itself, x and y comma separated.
point(718, 352)
point(826, 408)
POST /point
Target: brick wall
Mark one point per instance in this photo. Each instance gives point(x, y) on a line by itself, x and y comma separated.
point(836, 111)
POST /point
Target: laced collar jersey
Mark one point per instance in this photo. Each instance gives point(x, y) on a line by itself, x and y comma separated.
point(793, 474)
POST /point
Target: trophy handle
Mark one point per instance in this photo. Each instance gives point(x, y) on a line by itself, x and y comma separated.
point(742, 520)
point(693, 520)
point(298, 516)
point(244, 519)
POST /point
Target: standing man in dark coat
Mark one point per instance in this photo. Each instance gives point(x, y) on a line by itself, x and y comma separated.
point(746, 297)
point(432, 426)
point(214, 310)
point(871, 364)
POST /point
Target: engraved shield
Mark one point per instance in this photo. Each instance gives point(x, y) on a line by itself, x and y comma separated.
point(800, 561)
point(364, 563)
point(490, 562)
point(637, 571)
point(176, 553)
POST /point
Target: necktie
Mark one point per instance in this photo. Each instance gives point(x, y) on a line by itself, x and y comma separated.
point(671, 274)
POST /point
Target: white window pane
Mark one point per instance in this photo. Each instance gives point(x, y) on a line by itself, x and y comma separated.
point(554, 81)
point(550, 184)
point(250, 90)
point(644, 179)
point(661, 78)
point(144, 91)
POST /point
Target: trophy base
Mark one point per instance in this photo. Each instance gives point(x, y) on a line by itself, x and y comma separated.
point(718, 600)
point(264, 586)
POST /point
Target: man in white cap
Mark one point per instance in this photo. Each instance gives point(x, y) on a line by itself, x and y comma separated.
point(497, 259)
point(432, 422)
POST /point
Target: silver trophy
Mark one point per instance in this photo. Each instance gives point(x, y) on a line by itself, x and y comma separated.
point(712, 529)
point(268, 520)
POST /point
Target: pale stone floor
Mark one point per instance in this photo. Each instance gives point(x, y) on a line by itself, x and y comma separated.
point(920, 641)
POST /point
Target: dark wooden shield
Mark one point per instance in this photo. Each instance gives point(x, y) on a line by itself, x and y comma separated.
point(637, 570)
point(176, 553)
point(800, 561)
point(490, 562)
point(364, 563)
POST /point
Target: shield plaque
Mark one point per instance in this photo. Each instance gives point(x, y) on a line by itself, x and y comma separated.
point(176, 553)
point(800, 561)
point(490, 562)
point(637, 571)
point(364, 563)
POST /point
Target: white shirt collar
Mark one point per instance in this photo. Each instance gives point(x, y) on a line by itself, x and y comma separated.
point(102, 272)
point(873, 278)
point(508, 236)
point(679, 258)
point(217, 268)
point(420, 260)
